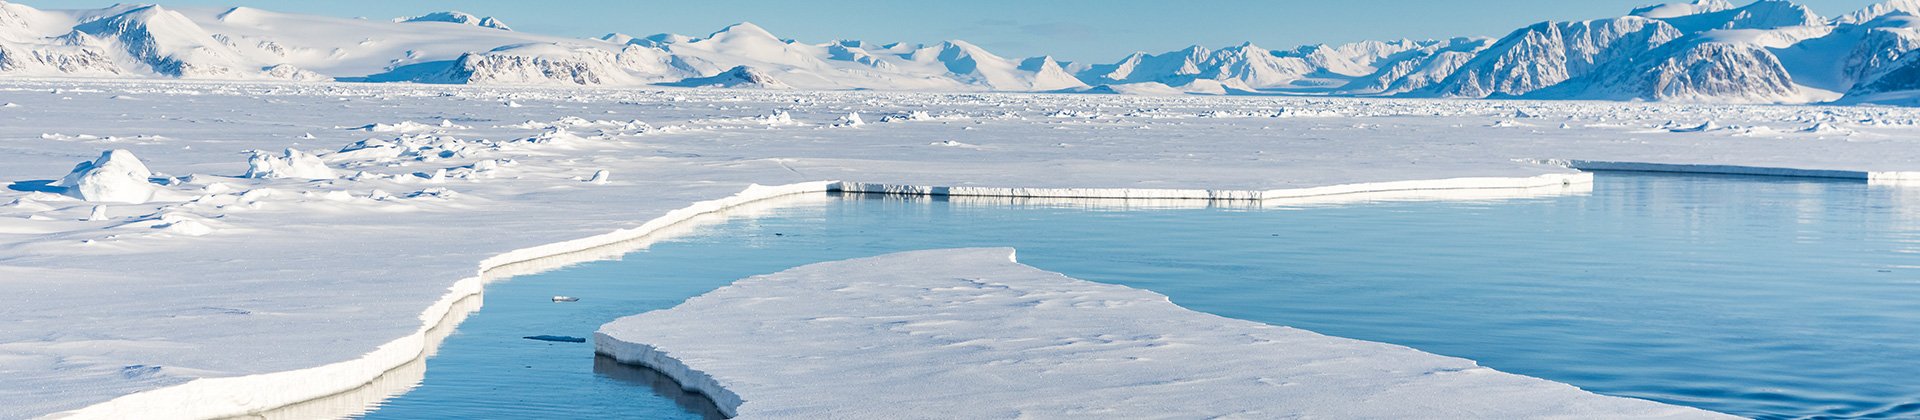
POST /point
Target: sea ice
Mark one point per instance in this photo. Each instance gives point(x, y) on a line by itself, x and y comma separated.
point(970, 333)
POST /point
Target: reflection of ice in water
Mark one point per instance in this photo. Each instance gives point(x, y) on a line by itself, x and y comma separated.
point(393, 383)
point(1114, 204)
point(659, 382)
point(1905, 199)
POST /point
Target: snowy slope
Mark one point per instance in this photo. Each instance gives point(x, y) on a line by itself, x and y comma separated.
point(1708, 51)
point(1304, 68)
point(1877, 10)
point(1417, 68)
point(1546, 54)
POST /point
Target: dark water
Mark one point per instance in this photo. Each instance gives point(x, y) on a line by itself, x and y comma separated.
point(1761, 297)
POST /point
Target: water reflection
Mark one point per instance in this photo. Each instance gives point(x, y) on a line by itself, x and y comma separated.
point(659, 383)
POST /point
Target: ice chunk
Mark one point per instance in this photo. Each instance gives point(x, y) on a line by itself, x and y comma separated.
point(851, 120)
point(116, 176)
point(291, 164)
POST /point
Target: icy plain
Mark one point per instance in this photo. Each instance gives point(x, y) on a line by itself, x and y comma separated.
point(248, 279)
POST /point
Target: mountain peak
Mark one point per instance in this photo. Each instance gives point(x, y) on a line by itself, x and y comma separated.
point(742, 30)
point(1673, 10)
point(458, 17)
point(1880, 9)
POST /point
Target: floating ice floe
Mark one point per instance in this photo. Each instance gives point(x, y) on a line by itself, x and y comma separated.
point(904, 333)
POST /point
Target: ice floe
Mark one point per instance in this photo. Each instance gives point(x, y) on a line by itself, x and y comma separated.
point(904, 334)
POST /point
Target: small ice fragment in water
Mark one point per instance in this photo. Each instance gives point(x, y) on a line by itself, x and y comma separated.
point(565, 299)
point(558, 338)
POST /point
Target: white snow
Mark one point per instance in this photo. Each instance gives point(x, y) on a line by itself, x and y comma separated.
point(320, 312)
point(969, 333)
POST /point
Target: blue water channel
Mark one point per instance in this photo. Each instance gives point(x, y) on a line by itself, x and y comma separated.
point(1760, 297)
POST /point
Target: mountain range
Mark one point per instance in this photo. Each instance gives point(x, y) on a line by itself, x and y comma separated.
point(1768, 51)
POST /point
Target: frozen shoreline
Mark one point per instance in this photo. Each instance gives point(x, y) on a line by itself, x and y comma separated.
point(282, 270)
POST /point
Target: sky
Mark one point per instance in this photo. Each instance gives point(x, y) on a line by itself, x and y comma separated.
point(1074, 30)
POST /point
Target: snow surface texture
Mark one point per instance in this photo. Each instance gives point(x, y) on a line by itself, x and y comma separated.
point(936, 333)
point(1702, 51)
point(224, 294)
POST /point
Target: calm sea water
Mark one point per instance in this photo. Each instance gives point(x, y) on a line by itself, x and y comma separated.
point(1761, 297)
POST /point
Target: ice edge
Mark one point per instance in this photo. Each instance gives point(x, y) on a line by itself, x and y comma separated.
point(1872, 177)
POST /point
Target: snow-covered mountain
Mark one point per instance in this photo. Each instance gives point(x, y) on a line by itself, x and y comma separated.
point(1315, 67)
point(1767, 51)
point(458, 18)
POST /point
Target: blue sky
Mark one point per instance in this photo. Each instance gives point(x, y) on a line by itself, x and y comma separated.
point(1081, 30)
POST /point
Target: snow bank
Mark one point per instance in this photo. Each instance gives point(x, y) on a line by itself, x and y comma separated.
point(970, 333)
point(116, 176)
point(291, 164)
